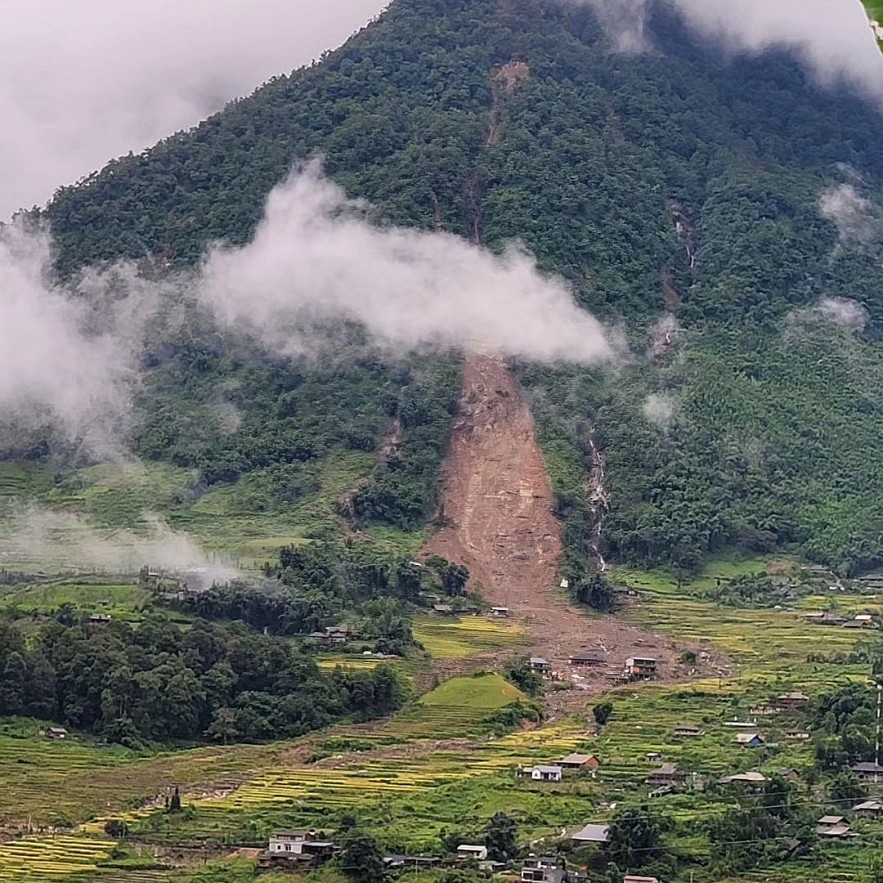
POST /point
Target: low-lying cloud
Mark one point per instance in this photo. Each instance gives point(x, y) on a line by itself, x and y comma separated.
point(841, 312)
point(63, 360)
point(854, 215)
point(661, 409)
point(69, 355)
point(61, 541)
point(316, 256)
point(832, 37)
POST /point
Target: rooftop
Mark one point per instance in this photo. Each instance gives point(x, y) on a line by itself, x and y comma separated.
point(592, 834)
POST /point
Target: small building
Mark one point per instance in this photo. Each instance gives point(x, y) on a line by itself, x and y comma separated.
point(546, 773)
point(796, 736)
point(540, 665)
point(299, 843)
point(640, 667)
point(791, 701)
point(542, 869)
point(864, 617)
point(687, 731)
point(288, 849)
point(752, 778)
point(500, 612)
point(591, 834)
point(589, 660)
point(749, 740)
point(667, 774)
point(337, 634)
point(400, 862)
point(56, 733)
point(834, 828)
point(579, 762)
point(472, 851)
point(870, 809)
point(653, 756)
point(443, 609)
point(868, 772)
point(99, 618)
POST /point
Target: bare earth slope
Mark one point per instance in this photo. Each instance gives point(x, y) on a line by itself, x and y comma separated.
point(497, 512)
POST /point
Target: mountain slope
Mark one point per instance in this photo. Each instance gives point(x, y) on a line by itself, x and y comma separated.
point(670, 182)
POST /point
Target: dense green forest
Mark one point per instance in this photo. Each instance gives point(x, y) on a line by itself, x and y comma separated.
point(161, 682)
point(682, 181)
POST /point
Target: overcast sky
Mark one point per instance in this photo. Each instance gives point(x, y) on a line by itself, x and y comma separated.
point(82, 81)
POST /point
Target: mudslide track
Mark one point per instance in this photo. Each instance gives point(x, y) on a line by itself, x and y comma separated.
point(497, 516)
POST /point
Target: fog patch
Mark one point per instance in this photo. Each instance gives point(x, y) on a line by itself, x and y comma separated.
point(661, 410)
point(624, 23)
point(316, 257)
point(62, 541)
point(853, 214)
point(841, 312)
point(68, 355)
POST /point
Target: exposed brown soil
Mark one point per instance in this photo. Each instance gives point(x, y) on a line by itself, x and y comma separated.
point(497, 512)
point(504, 83)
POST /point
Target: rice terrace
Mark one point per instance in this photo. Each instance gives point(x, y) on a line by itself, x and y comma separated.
point(457, 458)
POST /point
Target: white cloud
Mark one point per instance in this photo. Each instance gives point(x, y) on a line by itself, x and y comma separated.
point(63, 360)
point(853, 214)
point(82, 81)
point(661, 409)
point(315, 257)
point(52, 540)
point(832, 36)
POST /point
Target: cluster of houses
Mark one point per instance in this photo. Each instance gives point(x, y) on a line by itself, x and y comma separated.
point(332, 635)
point(302, 850)
point(586, 763)
point(636, 668)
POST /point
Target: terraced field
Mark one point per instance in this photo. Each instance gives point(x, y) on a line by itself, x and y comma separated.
point(458, 637)
point(45, 858)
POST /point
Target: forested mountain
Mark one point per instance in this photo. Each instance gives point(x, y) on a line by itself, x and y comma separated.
point(729, 196)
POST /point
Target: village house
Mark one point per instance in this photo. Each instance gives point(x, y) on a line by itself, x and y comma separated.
point(652, 756)
point(667, 774)
point(540, 773)
point(579, 762)
point(741, 725)
point(834, 828)
point(472, 851)
point(499, 612)
point(640, 667)
point(591, 834)
point(753, 779)
point(686, 731)
point(542, 869)
point(749, 740)
point(296, 847)
point(99, 618)
point(870, 809)
point(797, 736)
point(868, 772)
point(56, 733)
point(791, 701)
point(825, 618)
point(400, 862)
point(333, 634)
point(540, 665)
point(586, 659)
